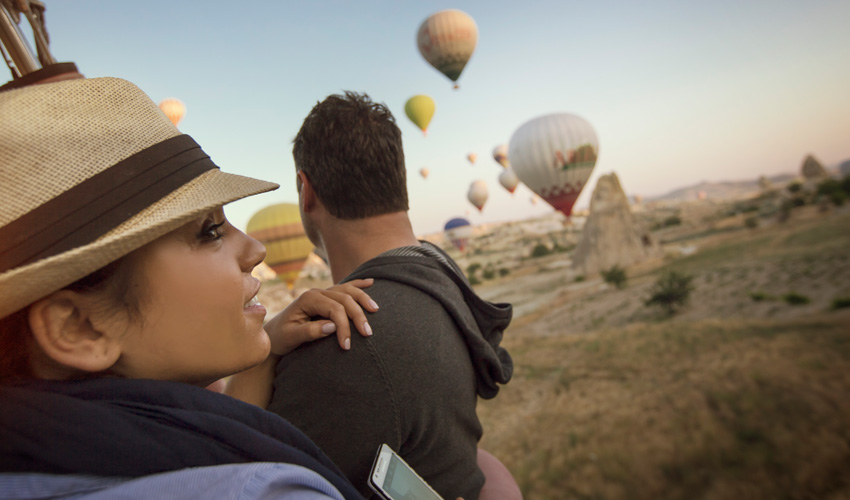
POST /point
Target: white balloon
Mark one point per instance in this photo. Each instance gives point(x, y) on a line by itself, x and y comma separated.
point(500, 154)
point(509, 180)
point(477, 194)
point(554, 155)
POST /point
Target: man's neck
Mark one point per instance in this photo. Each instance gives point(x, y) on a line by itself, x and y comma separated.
point(350, 243)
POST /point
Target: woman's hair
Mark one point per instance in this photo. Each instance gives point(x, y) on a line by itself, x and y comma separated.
point(121, 290)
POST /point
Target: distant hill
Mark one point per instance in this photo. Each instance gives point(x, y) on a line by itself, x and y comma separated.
point(720, 190)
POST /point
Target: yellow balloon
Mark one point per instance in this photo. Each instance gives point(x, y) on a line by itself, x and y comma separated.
point(279, 228)
point(174, 109)
point(420, 110)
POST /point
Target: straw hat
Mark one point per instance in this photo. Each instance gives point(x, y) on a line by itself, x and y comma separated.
point(91, 170)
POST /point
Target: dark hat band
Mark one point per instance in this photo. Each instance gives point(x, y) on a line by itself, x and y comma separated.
point(101, 203)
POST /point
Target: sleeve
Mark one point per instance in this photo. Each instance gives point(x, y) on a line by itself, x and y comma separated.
point(342, 400)
point(255, 481)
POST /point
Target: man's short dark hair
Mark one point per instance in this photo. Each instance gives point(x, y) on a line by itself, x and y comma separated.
point(350, 149)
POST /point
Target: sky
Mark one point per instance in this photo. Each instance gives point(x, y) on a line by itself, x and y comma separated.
point(678, 92)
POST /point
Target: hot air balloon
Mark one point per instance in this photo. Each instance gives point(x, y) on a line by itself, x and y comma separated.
point(424, 172)
point(420, 110)
point(174, 109)
point(508, 180)
point(279, 228)
point(500, 154)
point(533, 199)
point(446, 40)
point(472, 157)
point(458, 232)
point(554, 155)
point(477, 194)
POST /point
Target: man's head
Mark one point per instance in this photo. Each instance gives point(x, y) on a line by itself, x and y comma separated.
point(350, 150)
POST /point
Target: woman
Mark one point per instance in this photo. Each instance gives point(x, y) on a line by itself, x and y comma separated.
point(123, 292)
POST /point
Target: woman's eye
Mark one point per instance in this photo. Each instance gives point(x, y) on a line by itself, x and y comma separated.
point(211, 232)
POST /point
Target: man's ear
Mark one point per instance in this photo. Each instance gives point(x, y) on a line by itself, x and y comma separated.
point(63, 327)
point(305, 190)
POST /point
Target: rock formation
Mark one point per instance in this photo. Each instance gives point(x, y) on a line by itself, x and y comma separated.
point(812, 169)
point(611, 235)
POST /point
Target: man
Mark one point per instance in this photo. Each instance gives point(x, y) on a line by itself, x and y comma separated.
point(435, 348)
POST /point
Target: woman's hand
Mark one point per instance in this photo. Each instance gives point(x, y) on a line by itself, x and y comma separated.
point(294, 325)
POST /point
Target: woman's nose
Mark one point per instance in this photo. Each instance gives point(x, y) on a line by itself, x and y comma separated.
point(253, 254)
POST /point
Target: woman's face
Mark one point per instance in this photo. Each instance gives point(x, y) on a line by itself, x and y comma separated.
point(199, 319)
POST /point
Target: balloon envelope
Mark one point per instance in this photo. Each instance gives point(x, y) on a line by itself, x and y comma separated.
point(509, 180)
point(458, 231)
point(500, 154)
point(174, 109)
point(477, 194)
point(554, 155)
point(446, 40)
point(472, 157)
point(420, 110)
point(279, 228)
point(424, 172)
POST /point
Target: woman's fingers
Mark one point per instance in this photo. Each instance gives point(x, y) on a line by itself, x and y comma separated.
point(353, 289)
point(337, 304)
point(353, 309)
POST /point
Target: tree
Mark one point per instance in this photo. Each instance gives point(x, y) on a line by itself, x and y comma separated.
point(671, 291)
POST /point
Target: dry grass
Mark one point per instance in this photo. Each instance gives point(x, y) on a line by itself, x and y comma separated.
point(714, 409)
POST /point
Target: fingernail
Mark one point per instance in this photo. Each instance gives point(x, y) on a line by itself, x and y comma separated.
point(328, 328)
point(347, 344)
point(373, 304)
point(367, 328)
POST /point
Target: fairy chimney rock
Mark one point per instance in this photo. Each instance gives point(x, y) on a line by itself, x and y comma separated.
point(611, 236)
point(812, 169)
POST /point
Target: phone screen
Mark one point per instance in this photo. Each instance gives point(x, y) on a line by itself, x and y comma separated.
point(400, 482)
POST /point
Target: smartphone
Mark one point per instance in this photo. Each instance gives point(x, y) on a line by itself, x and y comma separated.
point(393, 479)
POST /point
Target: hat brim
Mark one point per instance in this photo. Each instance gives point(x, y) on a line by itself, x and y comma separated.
point(22, 286)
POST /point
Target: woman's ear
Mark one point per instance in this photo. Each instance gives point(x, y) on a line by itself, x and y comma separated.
point(62, 326)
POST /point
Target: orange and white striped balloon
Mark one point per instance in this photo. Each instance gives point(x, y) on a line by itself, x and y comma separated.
point(447, 40)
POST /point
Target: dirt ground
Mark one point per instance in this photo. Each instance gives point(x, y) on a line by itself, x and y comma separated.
point(730, 264)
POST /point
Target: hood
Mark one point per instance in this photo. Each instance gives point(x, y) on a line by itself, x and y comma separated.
point(482, 323)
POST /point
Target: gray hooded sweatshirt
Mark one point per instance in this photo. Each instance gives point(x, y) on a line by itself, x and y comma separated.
point(412, 385)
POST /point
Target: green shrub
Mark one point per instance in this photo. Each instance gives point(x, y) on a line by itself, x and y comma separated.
point(795, 187)
point(795, 299)
point(838, 198)
point(579, 278)
point(540, 250)
point(473, 280)
point(616, 276)
point(760, 296)
point(671, 291)
point(751, 222)
point(472, 268)
point(841, 302)
point(489, 273)
point(829, 186)
point(504, 271)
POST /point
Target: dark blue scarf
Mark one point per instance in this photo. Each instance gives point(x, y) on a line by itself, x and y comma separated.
point(132, 428)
